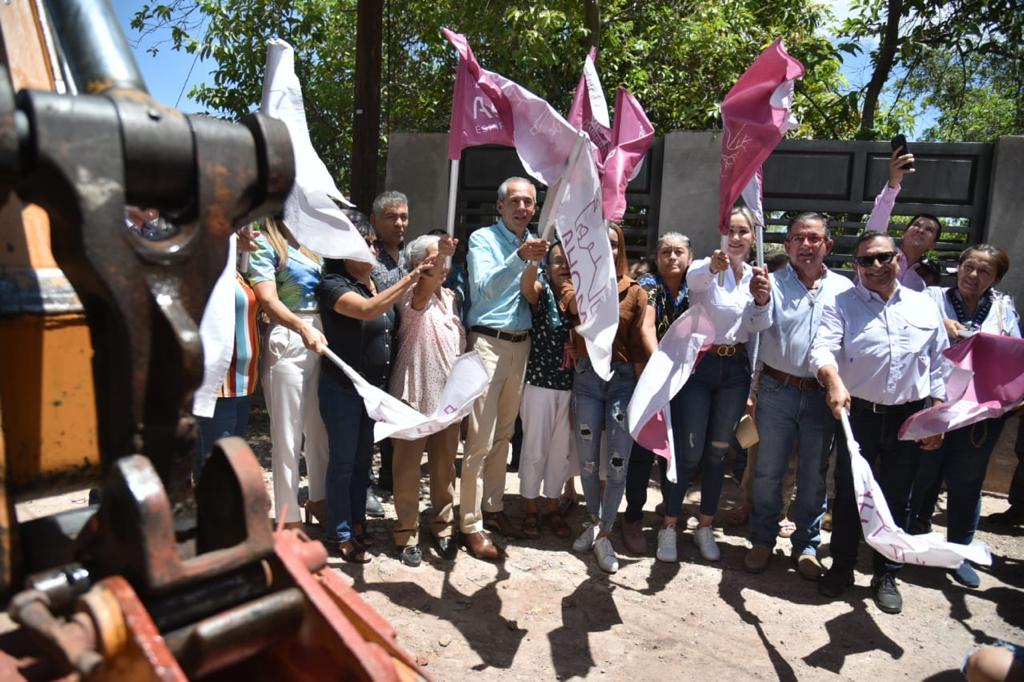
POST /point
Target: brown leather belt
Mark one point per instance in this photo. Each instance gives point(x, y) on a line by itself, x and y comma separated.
point(514, 337)
point(804, 384)
point(727, 351)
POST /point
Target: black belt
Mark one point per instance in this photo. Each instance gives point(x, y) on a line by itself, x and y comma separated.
point(514, 337)
point(858, 405)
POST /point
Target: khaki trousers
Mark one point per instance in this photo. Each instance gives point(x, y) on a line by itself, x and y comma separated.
point(491, 423)
point(408, 455)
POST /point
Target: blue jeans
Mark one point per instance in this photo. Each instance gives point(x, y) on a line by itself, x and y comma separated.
point(600, 404)
point(788, 417)
point(704, 417)
point(230, 418)
point(961, 462)
point(350, 452)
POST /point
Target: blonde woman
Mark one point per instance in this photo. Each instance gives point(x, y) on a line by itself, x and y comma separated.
point(285, 277)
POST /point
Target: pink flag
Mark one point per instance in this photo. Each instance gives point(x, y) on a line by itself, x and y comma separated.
point(668, 370)
point(631, 138)
point(755, 117)
point(475, 118)
point(987, 381)
point(589, 110)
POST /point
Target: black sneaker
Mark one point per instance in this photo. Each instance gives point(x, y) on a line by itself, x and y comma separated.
point(412, 556)
point(374, 509)
point(887, 595)
point(835, 582)
point(447, 547)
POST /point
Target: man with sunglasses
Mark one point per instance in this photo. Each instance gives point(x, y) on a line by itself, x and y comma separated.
point(878, 352)
point(791, 407)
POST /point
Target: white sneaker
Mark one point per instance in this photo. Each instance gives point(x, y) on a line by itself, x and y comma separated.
point(704, 538)
point(585, 542)
point(667, 546)
point(605, 554)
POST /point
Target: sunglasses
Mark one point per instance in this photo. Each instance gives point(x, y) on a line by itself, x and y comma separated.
point(880, 258)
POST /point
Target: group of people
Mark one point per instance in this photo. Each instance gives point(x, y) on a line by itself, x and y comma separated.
point(871, 347)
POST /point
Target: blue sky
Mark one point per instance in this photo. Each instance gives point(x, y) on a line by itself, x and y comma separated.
point(170, 75)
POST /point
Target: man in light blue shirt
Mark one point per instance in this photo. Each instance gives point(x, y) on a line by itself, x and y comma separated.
point(791, 407)
point(878, 352)
point(499, 330)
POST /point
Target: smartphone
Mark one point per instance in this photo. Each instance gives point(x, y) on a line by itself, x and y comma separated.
point(900, 142)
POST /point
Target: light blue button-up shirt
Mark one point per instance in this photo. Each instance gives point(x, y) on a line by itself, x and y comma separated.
point(887, 352)
point(495, 270)
point(791, 318)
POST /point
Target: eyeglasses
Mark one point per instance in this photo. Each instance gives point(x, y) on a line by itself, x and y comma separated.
point(881, 258)
point(812, 239)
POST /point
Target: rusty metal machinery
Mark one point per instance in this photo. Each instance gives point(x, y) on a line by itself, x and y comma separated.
point(159, 582)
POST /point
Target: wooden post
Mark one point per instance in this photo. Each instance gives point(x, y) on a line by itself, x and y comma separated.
point(366, 110)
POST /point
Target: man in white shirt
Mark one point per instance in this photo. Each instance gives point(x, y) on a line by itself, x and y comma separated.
point(878, 352)
point(791, 407)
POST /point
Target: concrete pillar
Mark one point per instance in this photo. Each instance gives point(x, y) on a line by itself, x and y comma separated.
point(418, 167)
point(1006, 211)
point(689, 188)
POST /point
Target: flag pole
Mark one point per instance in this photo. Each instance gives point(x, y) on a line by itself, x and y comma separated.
point(453, 191)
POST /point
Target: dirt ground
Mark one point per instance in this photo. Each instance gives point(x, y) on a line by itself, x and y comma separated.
point(548, 613)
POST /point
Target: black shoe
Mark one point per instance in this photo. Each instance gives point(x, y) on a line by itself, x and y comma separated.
point(411, 556)
point(835, 582)
point(447, 547)
point(887, 595)
point(374, 509)
point(918, 527)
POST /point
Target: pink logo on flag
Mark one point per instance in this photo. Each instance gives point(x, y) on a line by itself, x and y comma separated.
point(755, 118)
point(589, 109)
point(987, 381)
point(475, 120)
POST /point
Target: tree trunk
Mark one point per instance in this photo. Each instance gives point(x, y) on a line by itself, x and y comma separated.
point(366, 109)
point(890, 42)
point(592, 20)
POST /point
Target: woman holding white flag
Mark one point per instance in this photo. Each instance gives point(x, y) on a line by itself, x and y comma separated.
point(706, 410)
point(284, 278)
point(430, 339)
point(970, 307)
point(359, 324)
point(601, 405)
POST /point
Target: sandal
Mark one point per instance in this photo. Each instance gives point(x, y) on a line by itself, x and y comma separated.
point(316, 512)
point(531, 525)
point(352, 552)
point(556, 522)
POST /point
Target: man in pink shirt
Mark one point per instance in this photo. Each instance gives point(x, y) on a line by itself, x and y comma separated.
point(921, 234)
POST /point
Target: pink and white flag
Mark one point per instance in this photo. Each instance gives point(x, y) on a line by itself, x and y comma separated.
point(667, 371)
point(542, 138)
point(589, 109)
point(619, 150)
point(475, 118)
point(394, 419)
point(888, 539)
point(573, 207)
point(310, 211)
point(987, 381)
point(756, 114)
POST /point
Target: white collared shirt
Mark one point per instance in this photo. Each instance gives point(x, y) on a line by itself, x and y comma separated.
point(792, 318)
point(726, 304)
point(887, 352)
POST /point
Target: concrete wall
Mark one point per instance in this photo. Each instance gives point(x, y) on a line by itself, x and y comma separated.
point(1006, 211)
point(689, 188)
point(418, 167)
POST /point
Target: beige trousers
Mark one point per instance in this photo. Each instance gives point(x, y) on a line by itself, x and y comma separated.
point(491, 423)
point(441, 448)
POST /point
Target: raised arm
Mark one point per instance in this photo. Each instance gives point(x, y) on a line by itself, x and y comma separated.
point(878, 221)
point(529, 287)
point(353, 305)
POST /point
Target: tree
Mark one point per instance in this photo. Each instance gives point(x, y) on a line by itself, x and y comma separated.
point(679, 57)
point(963, 57)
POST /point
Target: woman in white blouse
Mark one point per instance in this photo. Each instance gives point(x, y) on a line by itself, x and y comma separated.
point(706, 410)
point(971, 306)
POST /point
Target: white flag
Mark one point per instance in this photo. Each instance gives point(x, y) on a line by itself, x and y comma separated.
point(891, 541)
point(466, 382)
point(310, 211)
point(217, 332)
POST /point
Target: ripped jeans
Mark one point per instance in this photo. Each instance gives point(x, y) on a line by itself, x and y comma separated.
point(704, 417)
point(599, 404)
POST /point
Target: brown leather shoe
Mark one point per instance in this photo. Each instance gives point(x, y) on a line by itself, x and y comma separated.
point(480, 546)
point(497, 522)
